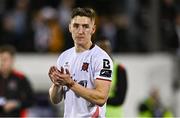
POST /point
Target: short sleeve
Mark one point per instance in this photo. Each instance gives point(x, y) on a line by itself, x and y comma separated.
point(103, 68)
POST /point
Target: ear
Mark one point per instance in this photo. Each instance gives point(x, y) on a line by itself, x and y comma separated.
point(70, 28)
point(94, 29)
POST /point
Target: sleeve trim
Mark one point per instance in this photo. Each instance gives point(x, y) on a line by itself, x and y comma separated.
point(103, 79)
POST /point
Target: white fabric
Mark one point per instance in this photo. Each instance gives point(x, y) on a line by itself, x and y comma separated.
point(76, 106)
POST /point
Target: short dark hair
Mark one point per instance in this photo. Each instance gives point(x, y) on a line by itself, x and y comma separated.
point(8, 48)
point(88, 12)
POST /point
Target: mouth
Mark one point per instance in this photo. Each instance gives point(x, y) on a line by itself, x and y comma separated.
point(80, 37)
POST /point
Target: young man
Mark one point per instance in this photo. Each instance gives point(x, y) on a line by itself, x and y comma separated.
point(15, 90)
point(83, 73)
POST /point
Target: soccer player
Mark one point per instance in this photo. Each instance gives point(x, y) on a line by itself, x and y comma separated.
point(83, 73)
point(15, 90)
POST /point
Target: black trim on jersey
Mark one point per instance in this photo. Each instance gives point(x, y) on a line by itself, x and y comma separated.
point(92, 46)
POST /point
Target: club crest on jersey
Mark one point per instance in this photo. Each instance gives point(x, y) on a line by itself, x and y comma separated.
point(85, 66)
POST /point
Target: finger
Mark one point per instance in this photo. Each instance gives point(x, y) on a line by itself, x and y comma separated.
point(59, 71)
point(57, 75)
point(67, 72)
point(53, 68)
point(62, 69)
point(51, 78)
point(50, 70)
point(49, 73)
point(54, 76)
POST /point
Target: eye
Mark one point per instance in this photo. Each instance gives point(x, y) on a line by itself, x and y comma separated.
point(85, 26)
point(75, 25)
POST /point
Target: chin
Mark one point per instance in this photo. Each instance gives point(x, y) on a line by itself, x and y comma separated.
point(80, 42)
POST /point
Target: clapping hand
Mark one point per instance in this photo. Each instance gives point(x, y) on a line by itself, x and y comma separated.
point(60, 77)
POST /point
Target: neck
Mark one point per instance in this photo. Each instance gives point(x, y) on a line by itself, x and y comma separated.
point(81, 48)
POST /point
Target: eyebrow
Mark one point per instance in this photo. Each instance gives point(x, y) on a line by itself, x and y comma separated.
point(80, 24)
point(83, 25)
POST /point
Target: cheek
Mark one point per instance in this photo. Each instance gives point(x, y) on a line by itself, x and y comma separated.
point(89, 32)
point(73, 32)
point(7, 63)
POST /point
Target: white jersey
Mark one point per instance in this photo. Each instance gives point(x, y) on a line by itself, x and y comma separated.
point(84, 68)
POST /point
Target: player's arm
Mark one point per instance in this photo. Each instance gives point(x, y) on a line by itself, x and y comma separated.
point(98, 95)
point(56, 93)
point(56, 90)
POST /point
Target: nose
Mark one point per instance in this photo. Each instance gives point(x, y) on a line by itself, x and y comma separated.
point(80, 30)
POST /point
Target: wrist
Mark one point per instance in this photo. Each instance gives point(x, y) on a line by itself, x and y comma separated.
point(56, 86)
point(71, 84)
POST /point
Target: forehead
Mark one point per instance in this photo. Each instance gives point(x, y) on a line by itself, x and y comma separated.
point(81, 20)
point(5, 54)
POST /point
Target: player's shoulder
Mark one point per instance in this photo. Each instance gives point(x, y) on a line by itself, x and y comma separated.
point(67, 52)
point(98, 52)
point(18, 74)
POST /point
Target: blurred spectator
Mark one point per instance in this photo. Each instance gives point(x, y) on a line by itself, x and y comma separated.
point(41, 33)
point(115, 29)
point(177, 25)
point(64, 15)
point(15, 90)
point(122, 24)
point(8, 35)
point(2, 6)
point(152, 107)
point(109, 29)
point(139, 29)
point(16, 28)
point(19, 27)
point(169, 37)
point(48, 34)
point(118, 89)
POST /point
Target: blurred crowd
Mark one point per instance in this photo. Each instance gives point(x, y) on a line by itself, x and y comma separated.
point(41, 26)
point(131, 26)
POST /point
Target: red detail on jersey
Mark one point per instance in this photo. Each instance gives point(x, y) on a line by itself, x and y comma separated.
point(104, 79)
point(96, 113)
point(23, 113)
point(85, 66)
point(18, 74)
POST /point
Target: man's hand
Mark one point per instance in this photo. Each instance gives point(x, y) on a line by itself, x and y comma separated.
point(58, 77)
point(10, 105)
point(66, 79)
point(53, 74)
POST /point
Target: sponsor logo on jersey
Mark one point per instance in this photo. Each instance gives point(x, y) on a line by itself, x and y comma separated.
point(105, 73)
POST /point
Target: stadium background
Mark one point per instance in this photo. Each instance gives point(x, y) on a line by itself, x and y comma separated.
point(144, 34)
